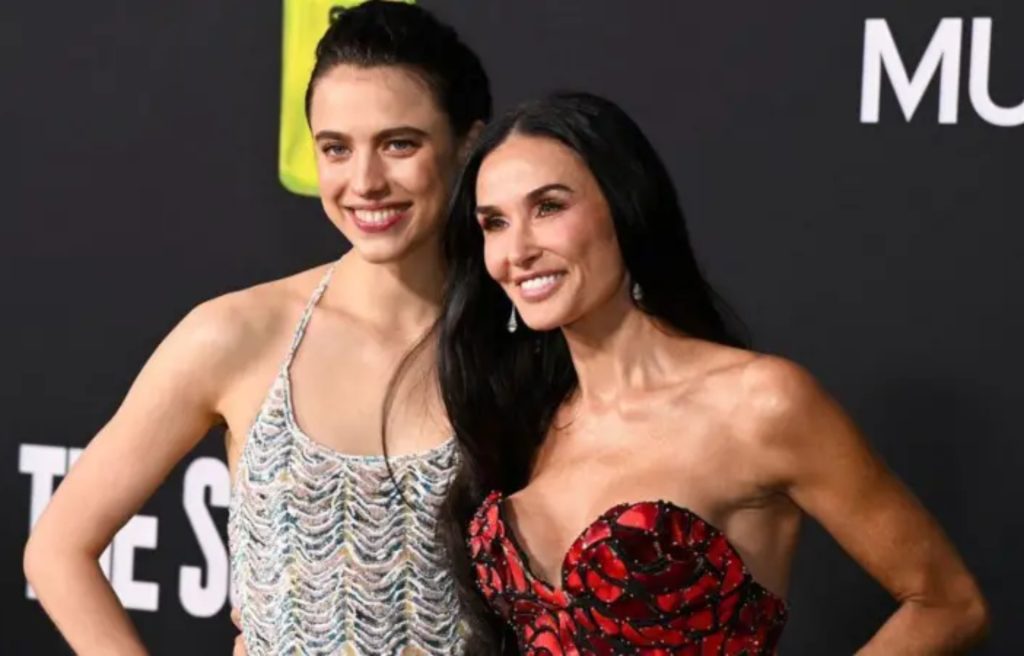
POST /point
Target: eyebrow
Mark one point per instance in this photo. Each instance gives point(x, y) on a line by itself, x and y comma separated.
point(390, 133)
point(532, 197)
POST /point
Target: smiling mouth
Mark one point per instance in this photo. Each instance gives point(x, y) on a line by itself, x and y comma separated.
point(378, 219)
point(541, 286)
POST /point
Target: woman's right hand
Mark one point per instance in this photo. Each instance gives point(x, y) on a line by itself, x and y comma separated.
point(239, 649)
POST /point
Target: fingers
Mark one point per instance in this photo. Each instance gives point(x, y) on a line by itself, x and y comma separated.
point(236, 618)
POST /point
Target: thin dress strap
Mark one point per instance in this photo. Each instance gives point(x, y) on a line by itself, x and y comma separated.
point(300, 330)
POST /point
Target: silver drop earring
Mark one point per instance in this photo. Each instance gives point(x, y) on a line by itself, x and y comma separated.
point(637, 293)
point(512, 323)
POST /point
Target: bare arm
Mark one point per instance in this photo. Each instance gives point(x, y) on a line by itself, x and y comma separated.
point(169, 408)
point(832, 474)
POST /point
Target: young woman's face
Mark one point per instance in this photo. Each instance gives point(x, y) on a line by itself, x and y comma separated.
point(386, 156)
point(549, 239)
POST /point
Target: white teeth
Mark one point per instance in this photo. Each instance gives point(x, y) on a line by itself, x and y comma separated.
point(540, 281)
point(378, 216)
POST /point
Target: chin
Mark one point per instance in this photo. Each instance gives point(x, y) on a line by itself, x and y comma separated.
point(543, 324)
point(382, 253)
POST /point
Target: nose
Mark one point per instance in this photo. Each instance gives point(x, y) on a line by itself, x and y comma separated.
point(368, 179)
point(523, 250)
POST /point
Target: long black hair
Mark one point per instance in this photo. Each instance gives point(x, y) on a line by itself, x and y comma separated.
point(502, 390)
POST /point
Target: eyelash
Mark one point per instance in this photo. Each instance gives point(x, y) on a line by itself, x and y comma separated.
point(554, 206)
point(406, 145)
point(331, 150)
point(397, 146)
point(490, 223)
point(544, 208)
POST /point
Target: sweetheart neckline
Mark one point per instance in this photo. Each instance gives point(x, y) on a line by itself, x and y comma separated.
point(560, 590)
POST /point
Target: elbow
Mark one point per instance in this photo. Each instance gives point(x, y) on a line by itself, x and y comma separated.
point(957, 620)
point(32, 561)
point(41, 557)
point(966, 619)
point(976, 619)
point(50, 560)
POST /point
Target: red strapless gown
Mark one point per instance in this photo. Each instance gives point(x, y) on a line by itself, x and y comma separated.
point(645, 578)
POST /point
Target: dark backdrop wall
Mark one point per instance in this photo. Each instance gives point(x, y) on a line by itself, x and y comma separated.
point(139, 178)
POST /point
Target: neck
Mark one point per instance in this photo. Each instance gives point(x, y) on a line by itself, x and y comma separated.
point(403, 296)
point(617, 350)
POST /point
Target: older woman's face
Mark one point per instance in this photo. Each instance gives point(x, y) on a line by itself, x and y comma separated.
point(549, 239)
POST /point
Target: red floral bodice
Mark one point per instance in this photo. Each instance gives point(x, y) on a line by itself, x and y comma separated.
point(645, 578)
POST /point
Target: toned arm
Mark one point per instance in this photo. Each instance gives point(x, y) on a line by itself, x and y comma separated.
point(172, 404)
point(830, 472)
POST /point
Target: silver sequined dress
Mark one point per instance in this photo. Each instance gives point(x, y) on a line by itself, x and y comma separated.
point(325, 556)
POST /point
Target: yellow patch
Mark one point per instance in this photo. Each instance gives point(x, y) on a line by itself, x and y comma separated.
point(305, 21)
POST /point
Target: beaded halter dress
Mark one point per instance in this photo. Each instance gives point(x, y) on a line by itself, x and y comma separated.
point(326, 557)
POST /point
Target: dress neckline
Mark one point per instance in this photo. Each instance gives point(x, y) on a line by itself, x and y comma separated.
point(585, 537)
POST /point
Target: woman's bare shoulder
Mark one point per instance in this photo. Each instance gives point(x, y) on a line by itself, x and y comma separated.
point(241, 324)
point(756, 392)
point(780, 406)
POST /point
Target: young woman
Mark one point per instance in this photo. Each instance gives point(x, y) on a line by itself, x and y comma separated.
point(332, 544)
point(633, 479)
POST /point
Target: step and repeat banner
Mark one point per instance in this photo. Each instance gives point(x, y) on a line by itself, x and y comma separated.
point(851, 171)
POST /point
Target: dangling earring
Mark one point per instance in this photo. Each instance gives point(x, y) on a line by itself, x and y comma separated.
point(637, 293)
point(512, 323)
